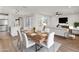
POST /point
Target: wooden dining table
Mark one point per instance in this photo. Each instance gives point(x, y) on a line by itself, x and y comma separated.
point(38, 37)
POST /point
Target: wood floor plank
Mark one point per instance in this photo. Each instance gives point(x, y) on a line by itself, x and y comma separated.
point(68, 45)
point(6, 43)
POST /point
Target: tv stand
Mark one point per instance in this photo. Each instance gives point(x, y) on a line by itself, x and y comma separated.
point(64, 25)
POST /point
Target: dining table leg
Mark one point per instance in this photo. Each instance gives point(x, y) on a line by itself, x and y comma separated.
point(38, 47)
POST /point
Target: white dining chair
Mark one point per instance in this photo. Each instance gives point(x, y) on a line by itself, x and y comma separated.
point(28, 41)
point(14, 31)
point(20, 41)
point(50, 41)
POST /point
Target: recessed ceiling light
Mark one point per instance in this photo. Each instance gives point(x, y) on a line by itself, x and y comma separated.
point(24, 6)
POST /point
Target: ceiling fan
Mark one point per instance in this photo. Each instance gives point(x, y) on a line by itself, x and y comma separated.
point(58, 13)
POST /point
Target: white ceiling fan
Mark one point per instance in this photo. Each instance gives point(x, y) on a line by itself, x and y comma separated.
point(58, 13)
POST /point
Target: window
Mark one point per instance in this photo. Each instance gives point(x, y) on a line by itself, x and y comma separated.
point(44, 19)
point(3, 22)
point(28, 22)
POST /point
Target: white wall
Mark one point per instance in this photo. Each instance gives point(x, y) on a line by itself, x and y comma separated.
point(71, 19)
point(12, 18)
point(52, 22)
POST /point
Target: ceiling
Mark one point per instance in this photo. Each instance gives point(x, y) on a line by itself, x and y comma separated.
point(49, 10)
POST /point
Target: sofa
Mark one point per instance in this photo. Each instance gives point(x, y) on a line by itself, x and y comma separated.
point(75, 31)
point(60, 31)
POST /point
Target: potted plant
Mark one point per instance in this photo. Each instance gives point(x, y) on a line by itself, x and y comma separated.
point(76, 24)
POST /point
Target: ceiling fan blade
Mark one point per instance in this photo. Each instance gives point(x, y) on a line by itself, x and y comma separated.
point(57, 13)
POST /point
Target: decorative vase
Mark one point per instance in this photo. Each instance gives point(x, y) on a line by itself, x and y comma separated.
point(34, 29)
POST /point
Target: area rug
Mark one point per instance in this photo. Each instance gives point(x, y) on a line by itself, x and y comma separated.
point(53, 48)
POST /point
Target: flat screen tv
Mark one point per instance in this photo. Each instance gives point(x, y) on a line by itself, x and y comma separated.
point(63, 20)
